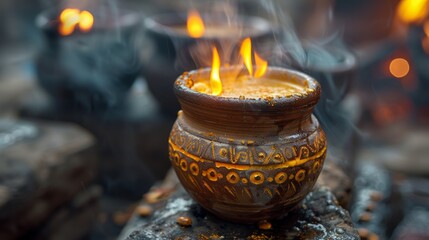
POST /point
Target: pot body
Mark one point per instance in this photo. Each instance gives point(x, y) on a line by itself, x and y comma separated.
point(246, 179)
point(247, 163)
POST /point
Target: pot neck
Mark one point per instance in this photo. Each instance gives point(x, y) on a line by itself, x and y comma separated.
point(244, 122)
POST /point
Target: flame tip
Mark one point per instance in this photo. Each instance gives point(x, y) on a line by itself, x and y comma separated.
point(215, 82)
point(261, 65)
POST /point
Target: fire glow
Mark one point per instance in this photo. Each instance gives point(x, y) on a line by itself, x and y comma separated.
point(246, 53)
point(195, 24)
point(215, 82)
point(70, 18)
point(412, 11)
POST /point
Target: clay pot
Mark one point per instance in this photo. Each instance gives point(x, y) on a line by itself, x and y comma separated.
point(247, 160)
point(174, 52)
point(92, 71)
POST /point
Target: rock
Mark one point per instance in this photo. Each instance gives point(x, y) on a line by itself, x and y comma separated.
point(369, 208)
point(17, 183)
point(318, 217)
point(414, 225)
point(337, 181)
point(39, 167)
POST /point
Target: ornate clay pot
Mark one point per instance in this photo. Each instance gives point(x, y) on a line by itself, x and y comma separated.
point(247, 160)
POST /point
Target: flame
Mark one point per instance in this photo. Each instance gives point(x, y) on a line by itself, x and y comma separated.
point(246, 54)
point(412, 11)
point(399, 67)
point(86, 21)
point(215, 83)
point(261, 65)
point(195, 24)
point(72, 17)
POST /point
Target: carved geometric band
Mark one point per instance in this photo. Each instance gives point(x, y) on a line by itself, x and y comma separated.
point(290, 163)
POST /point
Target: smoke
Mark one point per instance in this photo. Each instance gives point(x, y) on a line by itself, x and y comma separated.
point(316, 49)
point(294, 34)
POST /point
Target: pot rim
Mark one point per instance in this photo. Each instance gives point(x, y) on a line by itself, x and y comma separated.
point(162, 24)
point(294, 102)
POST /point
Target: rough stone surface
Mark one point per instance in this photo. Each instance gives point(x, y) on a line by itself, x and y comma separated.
point(337, 181)
point(414, 225)
point(369, 208)
point(131, 140)
point(41, 173)
point(318, 217)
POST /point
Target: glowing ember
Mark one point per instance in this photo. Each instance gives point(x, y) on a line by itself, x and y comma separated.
point(399, 67)
point(195, 25)
point(413, 11)
point(71, 17)
point(215, 83)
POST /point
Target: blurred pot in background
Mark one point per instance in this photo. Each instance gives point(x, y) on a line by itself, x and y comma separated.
point(175, 48)
point(90, 63)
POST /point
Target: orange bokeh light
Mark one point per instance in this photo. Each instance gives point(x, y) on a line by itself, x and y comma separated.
point(86, 21)
point(412, 11)
point(399, 67)
point(72, 17)
point(195, 24)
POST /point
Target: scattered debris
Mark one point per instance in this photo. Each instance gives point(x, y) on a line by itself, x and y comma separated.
point(184, 221)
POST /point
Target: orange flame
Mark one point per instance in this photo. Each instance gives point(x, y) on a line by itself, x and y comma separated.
point(215, 83)
point(246, 54)
point(86, 21)
point(72, 17)
point(412, 11)
point(195, 24)
point(261, 66)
